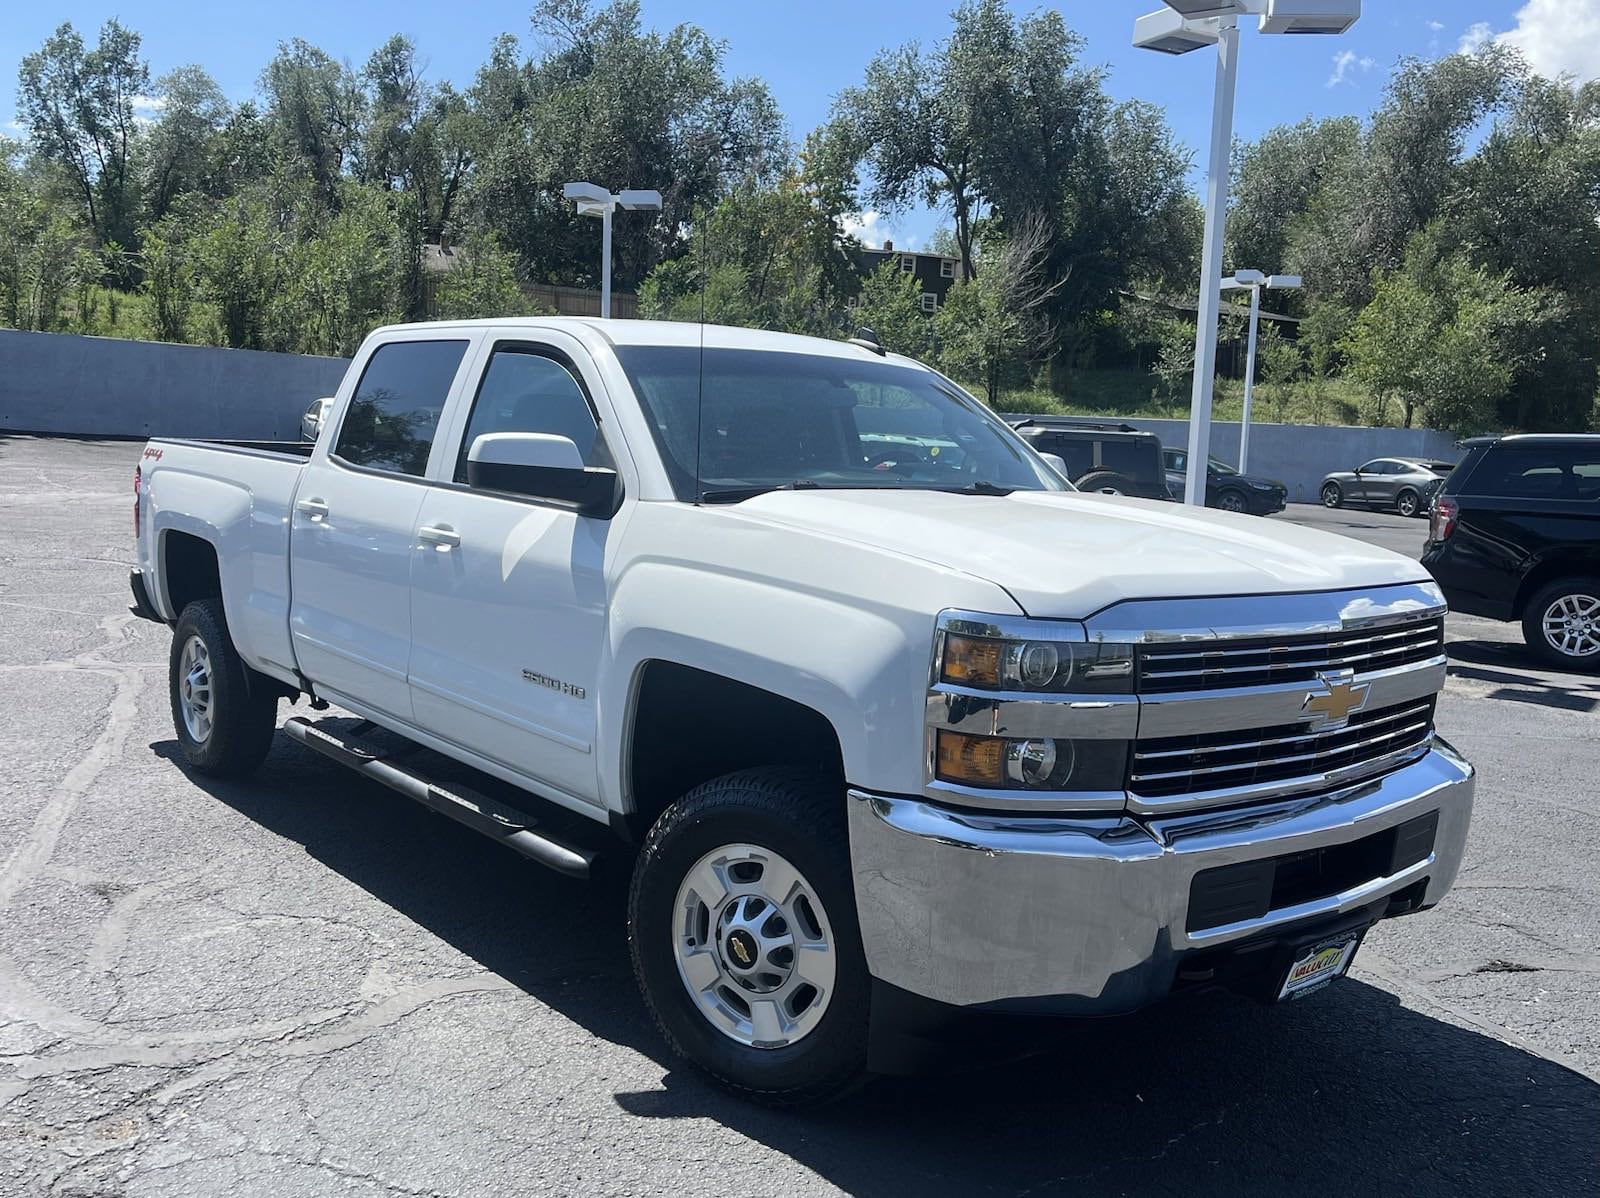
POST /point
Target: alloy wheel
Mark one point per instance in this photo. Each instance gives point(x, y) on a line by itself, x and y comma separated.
point(1572, 625)
point(753, 946)
point(194, 689)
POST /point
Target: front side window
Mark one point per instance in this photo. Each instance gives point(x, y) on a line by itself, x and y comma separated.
point(395, 411)
point(738, 419)
point(526, 391)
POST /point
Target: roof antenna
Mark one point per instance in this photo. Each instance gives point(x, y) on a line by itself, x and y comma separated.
point(700, 391)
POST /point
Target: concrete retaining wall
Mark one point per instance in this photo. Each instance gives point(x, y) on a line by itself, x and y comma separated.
point(1300, 454)
point(106, 387)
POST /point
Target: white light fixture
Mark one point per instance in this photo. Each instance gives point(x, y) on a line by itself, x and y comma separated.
point(1179, 28)
point(594, 200)
point(1310, 16)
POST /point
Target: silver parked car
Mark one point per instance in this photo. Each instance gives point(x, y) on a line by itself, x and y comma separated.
point(1407, 485)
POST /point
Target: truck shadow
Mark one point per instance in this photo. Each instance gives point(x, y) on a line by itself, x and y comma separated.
point(1349, 1093)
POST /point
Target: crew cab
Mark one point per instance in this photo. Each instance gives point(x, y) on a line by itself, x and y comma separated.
point(886, 738)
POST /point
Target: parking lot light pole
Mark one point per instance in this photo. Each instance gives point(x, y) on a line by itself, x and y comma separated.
point(1255, 282)
point(593, 200)
point(1188, 25)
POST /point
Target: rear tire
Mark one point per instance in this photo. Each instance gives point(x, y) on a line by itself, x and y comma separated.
point(1408, 503)
point(224, 725)
point(1332, 495)
point(706, 858)
point(1105, 482)
point(1561, 623)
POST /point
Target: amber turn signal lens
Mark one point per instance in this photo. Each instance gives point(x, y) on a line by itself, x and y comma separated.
point(972, 760)
point(972, 662)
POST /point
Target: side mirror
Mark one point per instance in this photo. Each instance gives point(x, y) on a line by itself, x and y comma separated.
point(311, 422)
point(544, 466)
point(1057, 463)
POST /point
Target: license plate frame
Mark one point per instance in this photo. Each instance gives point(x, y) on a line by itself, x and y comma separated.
point(1319, 964)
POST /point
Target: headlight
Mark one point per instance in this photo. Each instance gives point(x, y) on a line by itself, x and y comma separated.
point(1265, 486)
point(1032, 763)
point(1058, 667)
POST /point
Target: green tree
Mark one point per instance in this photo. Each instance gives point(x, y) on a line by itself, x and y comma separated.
point(991, 326)
point(890, 304)
point(485, 284)
point(178, 150)
point(77, 105)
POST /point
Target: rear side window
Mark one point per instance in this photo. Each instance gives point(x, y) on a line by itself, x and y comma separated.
point(1077, 454)
point(396, 407)
point(524, 391)
point(1538, 472)
point(1135, 459)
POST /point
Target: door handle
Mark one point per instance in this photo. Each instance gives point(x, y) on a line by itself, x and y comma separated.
point(313, 509)
point(440, 536)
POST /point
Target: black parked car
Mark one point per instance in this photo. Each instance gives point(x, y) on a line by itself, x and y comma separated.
point(1112, 458)
point(1226, 488)
point(1516, 536)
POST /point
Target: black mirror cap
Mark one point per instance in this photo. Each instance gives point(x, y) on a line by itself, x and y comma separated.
point(592, 490)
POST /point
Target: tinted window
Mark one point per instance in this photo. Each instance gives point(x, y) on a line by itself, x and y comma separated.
point(1076, 453)
point(1539, 472)
point(526, 392)
point(391, 420)
point(756, 418)
point(1132, 459)
point(1178, 461)
point(1376, 466)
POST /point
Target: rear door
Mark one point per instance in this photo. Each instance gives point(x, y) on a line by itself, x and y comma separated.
point(354, 523)
point(508, 594)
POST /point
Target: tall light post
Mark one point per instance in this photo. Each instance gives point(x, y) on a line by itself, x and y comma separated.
point(1254, 282)
point(1183, 26)
point(593, 200)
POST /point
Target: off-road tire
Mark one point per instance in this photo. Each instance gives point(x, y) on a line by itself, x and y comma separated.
point(799, 814)
point(243, 718)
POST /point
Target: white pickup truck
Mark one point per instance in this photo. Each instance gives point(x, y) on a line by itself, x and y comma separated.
point(893, 725)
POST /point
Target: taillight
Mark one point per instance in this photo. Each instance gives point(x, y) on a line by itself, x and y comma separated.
point(138, 482)
point(1445, 511)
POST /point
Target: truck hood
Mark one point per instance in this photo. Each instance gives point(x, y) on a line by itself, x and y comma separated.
point(1069, 555)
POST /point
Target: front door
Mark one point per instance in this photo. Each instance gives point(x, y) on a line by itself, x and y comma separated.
point(354, 525)
point(509, 593)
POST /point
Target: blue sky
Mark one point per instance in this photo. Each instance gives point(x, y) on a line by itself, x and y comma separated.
point(808, 52)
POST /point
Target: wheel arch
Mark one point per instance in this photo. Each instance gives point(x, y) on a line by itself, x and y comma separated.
point(670, 746)
point(1574, 563)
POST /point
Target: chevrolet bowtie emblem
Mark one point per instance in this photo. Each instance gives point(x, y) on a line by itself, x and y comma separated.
point(1335, 702)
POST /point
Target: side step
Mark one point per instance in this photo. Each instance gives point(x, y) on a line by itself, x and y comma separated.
point(479, 812)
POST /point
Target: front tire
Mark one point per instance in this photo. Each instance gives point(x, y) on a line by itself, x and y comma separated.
point(1561, 623)
point(1408, 503)
point(1332, 495)
point(742, 926)
point(1233, 501)
point(224, 725)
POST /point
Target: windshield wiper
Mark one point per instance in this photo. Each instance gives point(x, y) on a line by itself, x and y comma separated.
point(740, 494)
point(979, 488)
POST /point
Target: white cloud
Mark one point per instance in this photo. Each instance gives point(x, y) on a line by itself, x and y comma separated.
point(1436, 26)
point(872, 229)
point(147, 108)
point(1343, 63)
point(1476, 38)
point(1559, 37)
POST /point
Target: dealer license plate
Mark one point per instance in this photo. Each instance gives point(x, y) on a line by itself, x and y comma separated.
point(1319, 965)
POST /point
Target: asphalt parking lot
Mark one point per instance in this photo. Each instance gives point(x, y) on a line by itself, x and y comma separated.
point(304, 985)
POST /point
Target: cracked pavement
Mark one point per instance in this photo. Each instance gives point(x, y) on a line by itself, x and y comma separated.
point(301, 984)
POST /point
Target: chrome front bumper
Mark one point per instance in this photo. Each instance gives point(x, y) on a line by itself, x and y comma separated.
point(1090, 916)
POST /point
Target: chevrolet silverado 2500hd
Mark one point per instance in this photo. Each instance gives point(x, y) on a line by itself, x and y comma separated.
point(893, 723)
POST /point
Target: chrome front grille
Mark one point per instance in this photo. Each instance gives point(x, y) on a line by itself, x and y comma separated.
point(1242, 759)
point(1170, 667)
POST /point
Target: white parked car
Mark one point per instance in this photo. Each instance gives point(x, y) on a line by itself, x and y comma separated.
point(891, 723)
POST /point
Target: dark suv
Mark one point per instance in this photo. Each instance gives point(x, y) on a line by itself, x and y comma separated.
point(1516, 536)
point(1112, 458)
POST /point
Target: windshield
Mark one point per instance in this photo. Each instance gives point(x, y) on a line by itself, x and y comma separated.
point(1222, 467)
point(771, 419)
